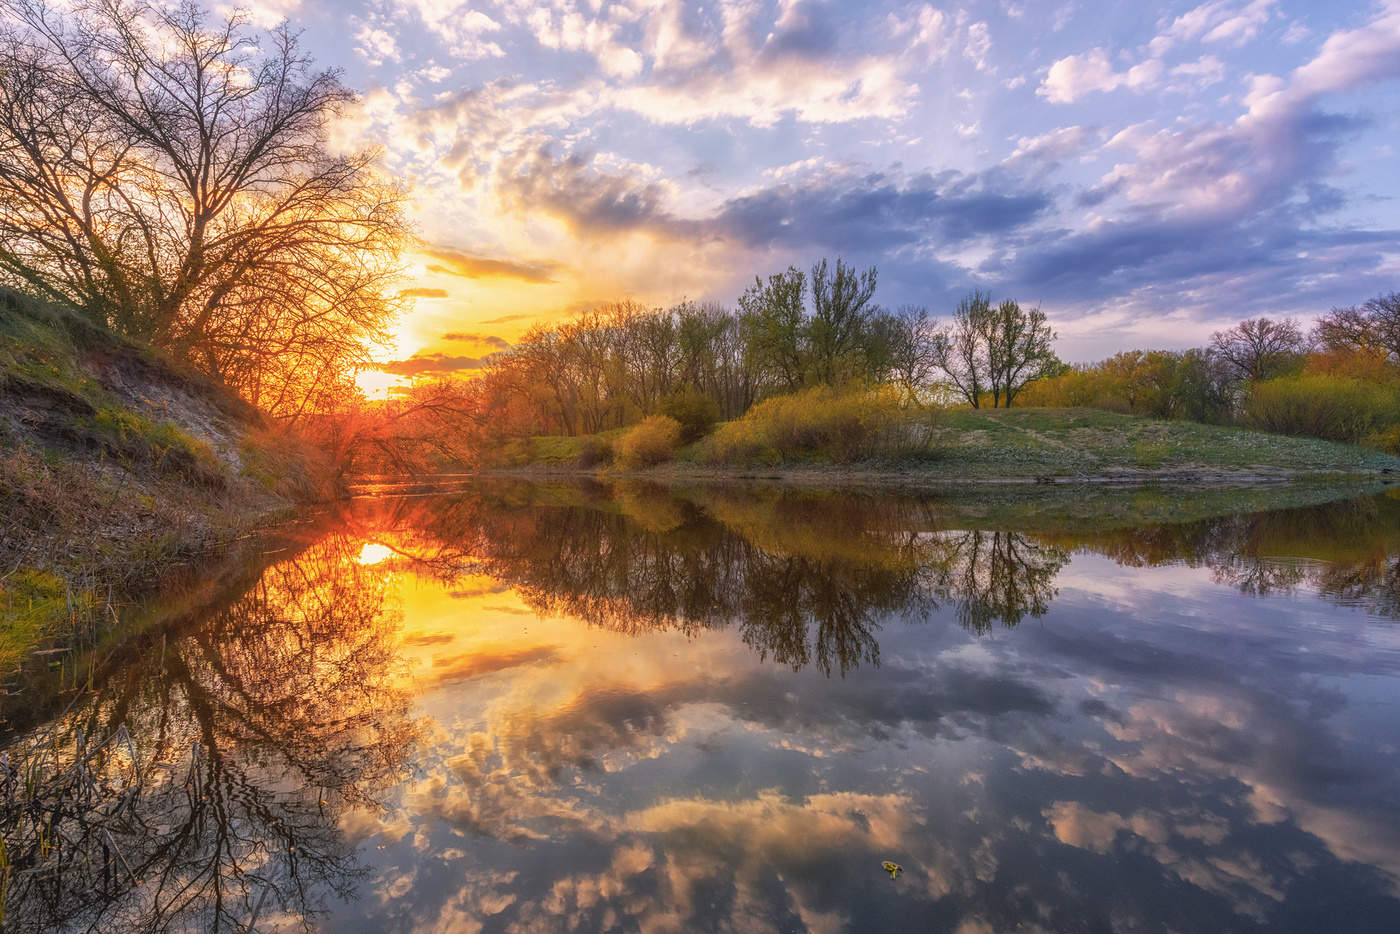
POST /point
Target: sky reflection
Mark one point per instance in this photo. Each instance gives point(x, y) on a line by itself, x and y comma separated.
point(559, 708)
point(1156, 749)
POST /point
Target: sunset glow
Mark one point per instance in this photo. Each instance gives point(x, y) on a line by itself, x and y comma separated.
point(1146, 179)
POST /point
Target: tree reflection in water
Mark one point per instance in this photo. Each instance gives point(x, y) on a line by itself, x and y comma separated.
point(205, 781)
point(805, 578)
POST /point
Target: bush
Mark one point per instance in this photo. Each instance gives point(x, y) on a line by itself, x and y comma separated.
point(822, 423)
point(696, 412)
point(1320, 406)
point(594, 451)
point(1387, 440)
point(651, 441)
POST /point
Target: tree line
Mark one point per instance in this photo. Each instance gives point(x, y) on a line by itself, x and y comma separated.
point(700, 362)
point(1340, 380)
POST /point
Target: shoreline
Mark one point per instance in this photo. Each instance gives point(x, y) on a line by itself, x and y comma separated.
point(879, 477)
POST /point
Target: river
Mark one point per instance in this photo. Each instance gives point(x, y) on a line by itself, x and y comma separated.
point(577, 707)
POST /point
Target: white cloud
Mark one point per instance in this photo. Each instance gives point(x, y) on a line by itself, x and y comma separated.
point(1220, 21)
point(1074, 76)
point(978, 45)
point(1202, 73)
point(1059, 143)
point(1346, 60)
point(925, 31)
point(569, 30)
point(377, 45)
point(263, 13)
point(460, 28)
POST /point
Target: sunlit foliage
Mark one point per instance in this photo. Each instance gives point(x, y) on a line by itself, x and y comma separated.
point(1341, 383)
point(823, 423)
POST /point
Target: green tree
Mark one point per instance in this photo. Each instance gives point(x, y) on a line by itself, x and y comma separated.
point(839, 333)
point(1019, 349)
point(773, 326)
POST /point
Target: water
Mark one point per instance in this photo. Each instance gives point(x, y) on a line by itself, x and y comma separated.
point(561, 707)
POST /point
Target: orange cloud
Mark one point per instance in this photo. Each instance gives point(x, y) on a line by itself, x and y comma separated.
point(469, 266)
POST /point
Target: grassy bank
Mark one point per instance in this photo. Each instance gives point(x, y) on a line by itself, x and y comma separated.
point(115, 467)
point(984, 446)
point(1092, 443)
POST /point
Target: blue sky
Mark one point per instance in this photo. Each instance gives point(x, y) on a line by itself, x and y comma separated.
point(1147, 173)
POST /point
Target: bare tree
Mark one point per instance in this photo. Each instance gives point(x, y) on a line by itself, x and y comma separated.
point(1374, 326)
point(961, 350)
point(912, 348)
point(1259, 347)
point(170, 175)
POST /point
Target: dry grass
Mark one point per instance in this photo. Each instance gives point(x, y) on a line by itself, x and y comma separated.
point(823, 424)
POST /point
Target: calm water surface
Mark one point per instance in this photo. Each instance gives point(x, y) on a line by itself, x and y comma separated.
point(541, 708)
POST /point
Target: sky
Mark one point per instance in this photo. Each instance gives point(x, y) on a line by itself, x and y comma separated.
point(1146, 173)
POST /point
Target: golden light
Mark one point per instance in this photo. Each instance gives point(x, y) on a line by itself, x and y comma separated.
point(376, 383)
point(374, 553)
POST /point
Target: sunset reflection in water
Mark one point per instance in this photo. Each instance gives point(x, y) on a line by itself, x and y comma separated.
point(577, 708)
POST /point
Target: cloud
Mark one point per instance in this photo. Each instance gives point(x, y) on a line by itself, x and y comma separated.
point(489, 340)
point(1074, 76)
point(421, 364)
point(470, 665)
point(1192, 212)
point(422, 293)
point(873, 209)
point(796, 68)
point(876, 211)
point(458, 263)
point(461, 29)
point(586, 198)
point(1052, 146)
point(1219, 21)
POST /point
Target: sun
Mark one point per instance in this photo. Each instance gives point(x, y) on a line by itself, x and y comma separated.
point(374, 553)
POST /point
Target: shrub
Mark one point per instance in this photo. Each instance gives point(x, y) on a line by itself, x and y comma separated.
point(593, 451)
point(1320, 406)
point(651, 441)
point(823, 423)
point(696, 412)
point(1387, 440)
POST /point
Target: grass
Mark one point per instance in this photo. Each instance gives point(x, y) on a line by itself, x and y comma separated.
point(1089, 442)
point(163, 445)
point(30, 601)
point(822, 425)
point(114, 464)
point(986, 445)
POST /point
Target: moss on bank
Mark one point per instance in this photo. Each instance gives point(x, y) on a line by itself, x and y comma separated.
point(115, 465)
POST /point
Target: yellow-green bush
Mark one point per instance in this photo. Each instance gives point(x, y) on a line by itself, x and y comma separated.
point(1387, 440)
point(696, 412)
point(822, 423)
point(651, 441)
point(1321, 406)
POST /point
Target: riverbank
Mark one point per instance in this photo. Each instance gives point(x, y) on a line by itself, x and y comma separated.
point(1014, 446)
point(117, 468)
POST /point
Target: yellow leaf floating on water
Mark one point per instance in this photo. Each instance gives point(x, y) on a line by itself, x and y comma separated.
point(894, 869)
